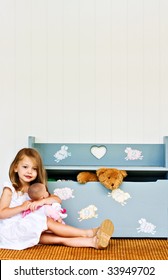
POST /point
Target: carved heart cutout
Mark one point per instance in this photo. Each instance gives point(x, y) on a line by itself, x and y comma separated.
point(98, 152)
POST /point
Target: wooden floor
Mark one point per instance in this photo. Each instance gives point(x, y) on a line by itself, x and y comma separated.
point(119, 249)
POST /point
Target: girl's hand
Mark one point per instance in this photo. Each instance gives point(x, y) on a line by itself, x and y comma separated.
point(26, 205)
point(35, 204)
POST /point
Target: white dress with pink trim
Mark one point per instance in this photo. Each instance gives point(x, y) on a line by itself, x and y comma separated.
point(19, 233)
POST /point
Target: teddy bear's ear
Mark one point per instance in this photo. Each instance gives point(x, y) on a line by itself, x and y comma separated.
point(124, 173)
point(100, 171)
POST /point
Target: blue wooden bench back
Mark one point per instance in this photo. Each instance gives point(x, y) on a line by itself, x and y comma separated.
point(59, 155)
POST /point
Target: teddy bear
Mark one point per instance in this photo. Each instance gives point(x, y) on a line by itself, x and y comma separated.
point(111, 178)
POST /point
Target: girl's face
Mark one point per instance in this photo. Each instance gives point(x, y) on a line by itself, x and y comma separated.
point(27, 170)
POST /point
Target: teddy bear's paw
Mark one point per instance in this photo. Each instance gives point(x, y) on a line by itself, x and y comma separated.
point(84, 177)
point(81, 178)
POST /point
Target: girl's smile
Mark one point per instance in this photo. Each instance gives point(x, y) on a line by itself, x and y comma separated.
point(28, 177)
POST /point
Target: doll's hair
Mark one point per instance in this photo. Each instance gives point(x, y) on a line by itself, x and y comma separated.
point(36, 190)
point(35, 156)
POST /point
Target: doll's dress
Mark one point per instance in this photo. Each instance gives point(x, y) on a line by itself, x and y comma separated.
point(17, 233)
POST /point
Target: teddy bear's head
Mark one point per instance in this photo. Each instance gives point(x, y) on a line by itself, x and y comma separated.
point(111, 178)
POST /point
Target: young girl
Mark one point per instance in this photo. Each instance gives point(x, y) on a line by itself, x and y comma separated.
point(18, 233)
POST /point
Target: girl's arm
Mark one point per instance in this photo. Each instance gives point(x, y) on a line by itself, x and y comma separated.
point(51, 199)
point(5, 211)
point(54, 198)
point(45, 201)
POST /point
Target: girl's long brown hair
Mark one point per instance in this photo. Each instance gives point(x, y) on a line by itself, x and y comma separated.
point(35, 156)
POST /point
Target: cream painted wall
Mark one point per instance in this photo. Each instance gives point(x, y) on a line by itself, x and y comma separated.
point(82, 71)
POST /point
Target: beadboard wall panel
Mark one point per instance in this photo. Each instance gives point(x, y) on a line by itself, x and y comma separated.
point(82, 71)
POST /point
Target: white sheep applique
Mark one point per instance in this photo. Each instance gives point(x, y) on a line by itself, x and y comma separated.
point(62, 154)
point(146, 226)
point(64, 193)
point(133, 154)
point(119, 196)
point(87, 213)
